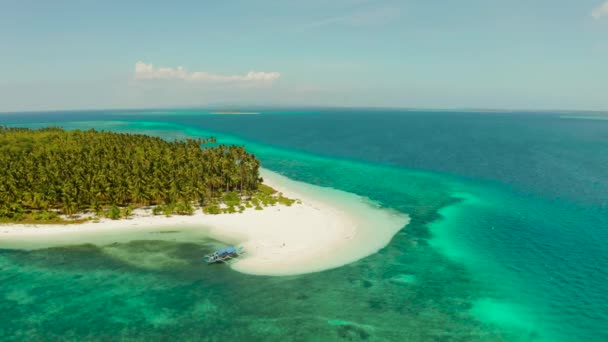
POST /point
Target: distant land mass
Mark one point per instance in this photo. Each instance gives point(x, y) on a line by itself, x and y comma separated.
point(234, 112)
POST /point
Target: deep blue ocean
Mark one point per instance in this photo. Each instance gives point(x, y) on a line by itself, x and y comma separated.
point(507, 239)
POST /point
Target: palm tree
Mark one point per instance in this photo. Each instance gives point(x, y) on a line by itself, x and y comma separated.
point(52, 168)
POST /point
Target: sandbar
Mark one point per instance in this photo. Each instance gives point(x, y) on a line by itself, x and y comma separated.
point(327, 228)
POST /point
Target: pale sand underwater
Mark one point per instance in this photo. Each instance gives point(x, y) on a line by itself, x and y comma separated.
point(330, 228)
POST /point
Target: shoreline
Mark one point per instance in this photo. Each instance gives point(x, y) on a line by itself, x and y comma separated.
point(330, 228)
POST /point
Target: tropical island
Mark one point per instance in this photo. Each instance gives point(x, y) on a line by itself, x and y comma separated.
point(61, 188)
point(53, 175)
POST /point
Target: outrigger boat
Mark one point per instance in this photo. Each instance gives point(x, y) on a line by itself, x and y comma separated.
point(224, 255)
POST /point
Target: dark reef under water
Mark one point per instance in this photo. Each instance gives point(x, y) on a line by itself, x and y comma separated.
point(494, 250)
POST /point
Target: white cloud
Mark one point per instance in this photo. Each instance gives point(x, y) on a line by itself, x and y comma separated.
point(145, 71)
point(600, 11)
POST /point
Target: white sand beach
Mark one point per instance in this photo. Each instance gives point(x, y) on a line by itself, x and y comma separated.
point(330, 228)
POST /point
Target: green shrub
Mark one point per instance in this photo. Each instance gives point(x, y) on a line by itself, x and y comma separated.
point(184, 209)
point(18, 216)
point(128, 211)
point(232, 199)
point(113, 213)
point(97, 209)
point(168, 209)
point(157, 210)
point(266, 190)
point(44, 216)
point(212, 210)
point(286, 201)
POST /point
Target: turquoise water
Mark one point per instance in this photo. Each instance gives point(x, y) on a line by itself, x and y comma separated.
point(509, 215)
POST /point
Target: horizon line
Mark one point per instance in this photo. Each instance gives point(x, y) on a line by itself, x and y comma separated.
point(274, 107)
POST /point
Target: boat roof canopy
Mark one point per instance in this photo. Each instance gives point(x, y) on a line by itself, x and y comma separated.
point(226, 250)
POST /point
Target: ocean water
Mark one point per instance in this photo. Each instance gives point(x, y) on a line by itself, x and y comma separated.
point(509, 218)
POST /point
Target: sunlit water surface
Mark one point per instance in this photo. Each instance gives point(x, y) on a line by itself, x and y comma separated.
point(509, 215)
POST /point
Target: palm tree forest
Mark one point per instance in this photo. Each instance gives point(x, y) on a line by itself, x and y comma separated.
point(50, 173)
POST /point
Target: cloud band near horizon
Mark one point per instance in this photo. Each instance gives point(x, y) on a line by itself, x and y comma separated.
point(145, 71)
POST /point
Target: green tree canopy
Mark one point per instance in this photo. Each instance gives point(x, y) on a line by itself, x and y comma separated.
point(71, 171)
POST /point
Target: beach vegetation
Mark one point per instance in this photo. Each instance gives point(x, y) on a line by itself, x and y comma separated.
point(157, 210)
point(127, 211)
point(168, 209)
point(285, 201)
point(266, 190)
point(184, 208)
point(44, 215)
point(113, 213)
point(50, 174)
point(232, 198)
point(212, 210)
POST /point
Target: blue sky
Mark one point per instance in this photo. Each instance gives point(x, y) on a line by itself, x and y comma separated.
point(505, 54)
